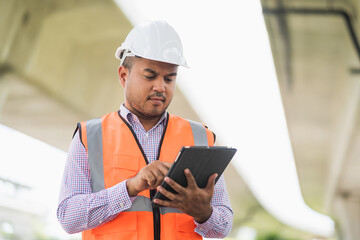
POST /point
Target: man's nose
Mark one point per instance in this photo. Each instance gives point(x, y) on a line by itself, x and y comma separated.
point(159, 85)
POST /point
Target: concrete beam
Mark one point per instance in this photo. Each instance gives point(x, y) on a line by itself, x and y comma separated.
point(12, 15)
point(345, 129)
point(4, 92)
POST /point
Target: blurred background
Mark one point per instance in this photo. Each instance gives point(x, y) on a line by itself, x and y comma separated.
point(57, 68)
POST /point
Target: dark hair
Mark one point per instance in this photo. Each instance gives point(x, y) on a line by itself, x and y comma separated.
point(129, 62)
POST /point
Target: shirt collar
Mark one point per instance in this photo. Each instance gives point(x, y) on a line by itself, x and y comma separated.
point(131, 118)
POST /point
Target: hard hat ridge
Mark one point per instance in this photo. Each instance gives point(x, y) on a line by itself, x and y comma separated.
point(155, 40)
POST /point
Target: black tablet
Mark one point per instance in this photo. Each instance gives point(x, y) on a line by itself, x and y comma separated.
point(202, 161)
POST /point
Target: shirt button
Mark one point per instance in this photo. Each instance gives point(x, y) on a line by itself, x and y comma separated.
point(100, 221)
point(147, 135)
point(121, 204)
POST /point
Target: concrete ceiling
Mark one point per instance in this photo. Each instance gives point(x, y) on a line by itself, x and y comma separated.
point(318, 66)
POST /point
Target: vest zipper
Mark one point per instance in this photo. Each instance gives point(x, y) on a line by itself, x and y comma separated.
point(156, 217)
point(156, 211)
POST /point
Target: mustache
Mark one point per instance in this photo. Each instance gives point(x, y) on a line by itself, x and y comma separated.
point(157, 94)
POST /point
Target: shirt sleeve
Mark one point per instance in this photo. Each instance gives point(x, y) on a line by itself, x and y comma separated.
point(79, 209)
point(220, 222)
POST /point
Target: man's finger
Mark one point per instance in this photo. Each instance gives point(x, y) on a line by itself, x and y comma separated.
point(164, 168)
point(160, 173)
point(151, 179)
point(211, 182)
point(166, 193)
point(168, 165)
point(177, 187)
point(159, 180)
point(190, 179)
point(163, 202)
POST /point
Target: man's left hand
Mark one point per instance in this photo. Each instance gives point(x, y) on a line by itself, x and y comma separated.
point(191, 200)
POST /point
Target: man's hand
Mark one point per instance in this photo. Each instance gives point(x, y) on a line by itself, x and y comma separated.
point(192, 200)
point(148, 177)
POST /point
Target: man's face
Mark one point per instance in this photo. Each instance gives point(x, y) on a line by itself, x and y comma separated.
point(149, 87)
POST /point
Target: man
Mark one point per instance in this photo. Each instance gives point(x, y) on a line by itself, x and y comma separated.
point(117, 162)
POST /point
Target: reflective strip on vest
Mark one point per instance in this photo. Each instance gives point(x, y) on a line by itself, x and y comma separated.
point(164, 210)
point(95, 154)
point(142, 203)
point(95, 150)
point(199, 133)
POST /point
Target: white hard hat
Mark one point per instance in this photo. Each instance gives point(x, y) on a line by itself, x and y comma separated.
point(155, 40)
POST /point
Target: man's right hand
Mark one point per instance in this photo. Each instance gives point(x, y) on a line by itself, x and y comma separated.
point(149, 177)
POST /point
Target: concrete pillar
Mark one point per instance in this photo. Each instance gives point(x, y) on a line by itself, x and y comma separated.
point(347, 208)
point(343, 195)
point(345, 131)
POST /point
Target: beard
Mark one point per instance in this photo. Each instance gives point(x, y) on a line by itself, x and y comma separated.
point(146, 110)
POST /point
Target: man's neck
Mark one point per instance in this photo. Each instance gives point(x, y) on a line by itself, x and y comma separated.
point(147, 122)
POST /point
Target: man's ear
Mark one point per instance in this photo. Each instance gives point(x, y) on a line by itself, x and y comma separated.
point(123, 74)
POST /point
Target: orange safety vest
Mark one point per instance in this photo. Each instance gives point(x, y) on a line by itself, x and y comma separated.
point(115, 154)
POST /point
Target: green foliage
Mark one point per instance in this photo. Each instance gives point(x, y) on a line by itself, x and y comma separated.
point(271, 236)
point(7, 236)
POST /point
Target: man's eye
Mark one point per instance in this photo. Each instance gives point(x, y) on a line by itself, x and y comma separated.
point(149, 77)
point(168, 80)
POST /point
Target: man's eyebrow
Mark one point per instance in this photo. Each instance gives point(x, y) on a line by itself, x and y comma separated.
point(155, 73)
point(150, 71)
point(171, 74)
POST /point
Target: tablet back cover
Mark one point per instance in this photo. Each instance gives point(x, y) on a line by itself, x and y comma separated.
point(202, 161)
